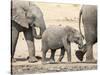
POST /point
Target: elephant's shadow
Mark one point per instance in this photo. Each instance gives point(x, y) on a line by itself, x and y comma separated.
point(39, 59)
point(47, 59)
point(25, 59)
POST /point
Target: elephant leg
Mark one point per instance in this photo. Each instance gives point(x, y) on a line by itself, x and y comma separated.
point(44, 61)
point(69, 55)
point(89, 54)
point(68, 50)
point(31, 47)
point(61, 55)
point(52, 60)
point(14, 38)
point(67, 47)
point(44, 50)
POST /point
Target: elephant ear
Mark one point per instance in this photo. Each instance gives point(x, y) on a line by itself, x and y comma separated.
point(71, 34)
point(19, 15)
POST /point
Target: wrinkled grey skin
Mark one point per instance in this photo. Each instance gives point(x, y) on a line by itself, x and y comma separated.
point(59, 37)
point(89, 19)
point(24, 18)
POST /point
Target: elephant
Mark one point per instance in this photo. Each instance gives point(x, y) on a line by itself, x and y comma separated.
point(89, 19)
point(25, 16)
point(59, 37)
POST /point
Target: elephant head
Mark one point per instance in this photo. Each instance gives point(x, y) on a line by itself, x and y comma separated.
point(78, 39)
point(27, 15)
point(75, 36)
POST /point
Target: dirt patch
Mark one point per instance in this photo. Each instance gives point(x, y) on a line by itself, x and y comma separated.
point(63, 67)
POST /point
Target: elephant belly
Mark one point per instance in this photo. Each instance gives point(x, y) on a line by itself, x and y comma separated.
point(55, 43)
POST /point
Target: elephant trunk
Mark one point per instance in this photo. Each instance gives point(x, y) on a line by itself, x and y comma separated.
point(42, 28)
point(35, 34)
point(80, 43)
point(80, 46)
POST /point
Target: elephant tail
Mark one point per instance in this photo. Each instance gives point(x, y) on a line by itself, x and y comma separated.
point(80, 14)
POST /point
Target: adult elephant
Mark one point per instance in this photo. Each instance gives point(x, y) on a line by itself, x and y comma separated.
point(25, 16)
point(89, 18)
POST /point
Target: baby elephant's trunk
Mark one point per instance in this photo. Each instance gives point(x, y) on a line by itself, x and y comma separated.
point(80, 53)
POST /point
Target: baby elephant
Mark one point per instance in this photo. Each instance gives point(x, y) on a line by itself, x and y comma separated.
point(59, 37)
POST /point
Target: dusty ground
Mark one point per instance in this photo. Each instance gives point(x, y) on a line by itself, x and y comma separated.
point(54, 14)
point(64, 67)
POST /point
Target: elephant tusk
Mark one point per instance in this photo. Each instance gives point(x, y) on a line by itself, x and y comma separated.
point(37, 30)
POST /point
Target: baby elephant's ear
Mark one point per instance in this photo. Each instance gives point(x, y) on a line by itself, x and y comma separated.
point(71, 34)
point(70, 37)
point(18, 15)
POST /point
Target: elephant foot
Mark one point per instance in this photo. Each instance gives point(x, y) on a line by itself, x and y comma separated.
point(51, 61)
point(58, 61)
point(91, 61)
point(48, 62)
point(13, 60)
point(79, 55)
point(32, 59)
point(45, 62)
point(69, 62)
